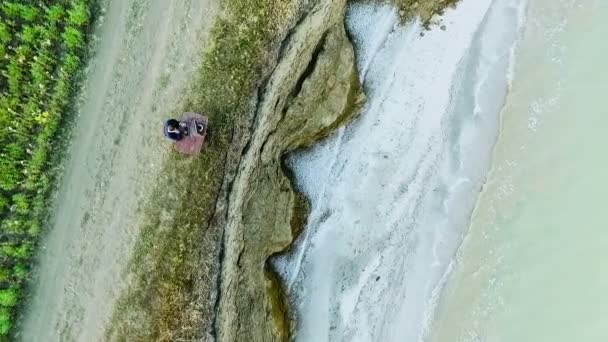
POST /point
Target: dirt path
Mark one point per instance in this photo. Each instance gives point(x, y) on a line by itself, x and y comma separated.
point(146, 51)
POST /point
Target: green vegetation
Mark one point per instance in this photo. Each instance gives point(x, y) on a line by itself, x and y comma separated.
point(41, 46)
point(162, 303)
point(425, 9)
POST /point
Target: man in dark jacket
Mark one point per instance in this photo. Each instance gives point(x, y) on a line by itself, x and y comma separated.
point(175, 130)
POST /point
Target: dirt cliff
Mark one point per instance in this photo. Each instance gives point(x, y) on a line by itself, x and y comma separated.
point(313, 89)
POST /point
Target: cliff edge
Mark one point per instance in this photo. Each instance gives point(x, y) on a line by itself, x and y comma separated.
point(313, 89)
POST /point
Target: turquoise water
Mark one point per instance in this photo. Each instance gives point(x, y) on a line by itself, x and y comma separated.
point(533, 264)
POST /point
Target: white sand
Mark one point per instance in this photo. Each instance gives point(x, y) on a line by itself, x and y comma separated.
point(392, 194)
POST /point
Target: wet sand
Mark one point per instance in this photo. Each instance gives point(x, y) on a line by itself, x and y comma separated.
point(532, 267)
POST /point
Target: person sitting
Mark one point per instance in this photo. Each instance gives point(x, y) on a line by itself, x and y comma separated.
point(175, 130)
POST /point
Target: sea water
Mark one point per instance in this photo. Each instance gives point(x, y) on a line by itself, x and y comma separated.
point(533, 266)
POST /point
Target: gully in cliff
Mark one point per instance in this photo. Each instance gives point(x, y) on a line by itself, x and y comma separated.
point(189, 133)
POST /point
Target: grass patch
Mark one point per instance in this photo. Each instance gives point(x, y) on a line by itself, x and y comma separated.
point(426, 9)
point(156, 305)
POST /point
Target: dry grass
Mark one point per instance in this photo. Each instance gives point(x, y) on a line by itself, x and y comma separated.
point(158, 304)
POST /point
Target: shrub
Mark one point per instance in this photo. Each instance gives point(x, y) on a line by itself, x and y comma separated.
point(42, 118)
point(29, 35)
point(29, 13)
point(71, 64)
point(49, 35)
point(40, 73)
point(16, 251)
point(79, 15)
point(5, 34)
point(9, 297)
point(20, 271)
point(5, 321)
point(9, 174)
point(72, 38)
point(15, 151)
point(3, 203)
point(11, 225)
point(11, 9)
point(55, 13)
point(35, 229)
point(21, 203)
point(14, 73)
point(5, 274)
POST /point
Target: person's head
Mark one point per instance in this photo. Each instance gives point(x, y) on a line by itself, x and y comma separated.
point(171, 124)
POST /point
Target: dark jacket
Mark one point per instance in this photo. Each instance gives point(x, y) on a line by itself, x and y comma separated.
point(177, 132)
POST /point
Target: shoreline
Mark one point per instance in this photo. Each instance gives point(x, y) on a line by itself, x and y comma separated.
point(348, 282)
point(533, 225)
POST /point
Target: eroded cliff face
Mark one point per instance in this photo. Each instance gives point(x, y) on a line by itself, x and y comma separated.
point(313, 89)
point(310, 89)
